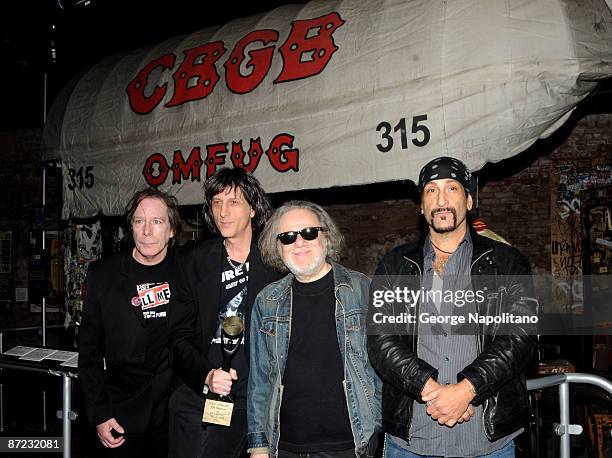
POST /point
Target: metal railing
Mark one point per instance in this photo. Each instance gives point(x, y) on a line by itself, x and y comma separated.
point(564, 429)
point(44, 394)
point(33, 328)
point(67, 415)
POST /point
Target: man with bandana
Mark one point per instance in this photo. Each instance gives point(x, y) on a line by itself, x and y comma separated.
point(448, 389)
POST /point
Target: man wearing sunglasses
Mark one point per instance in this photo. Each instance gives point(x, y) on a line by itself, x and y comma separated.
point(311, 388)
point(220, 278)
point(451, 388)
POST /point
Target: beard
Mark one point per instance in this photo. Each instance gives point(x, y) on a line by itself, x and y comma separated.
point(447, 228)
point(312, 268)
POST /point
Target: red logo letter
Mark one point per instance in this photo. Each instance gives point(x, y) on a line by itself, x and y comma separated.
point(305, 55)
point(183, 170)
point(212, 157)
point(259, 62)
point(139, 102)
point(149, 169)
point(283, 160)
point(197, 75)
point(255, 152)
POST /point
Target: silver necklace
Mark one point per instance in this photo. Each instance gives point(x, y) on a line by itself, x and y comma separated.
point(229, 260)
point(234, 266)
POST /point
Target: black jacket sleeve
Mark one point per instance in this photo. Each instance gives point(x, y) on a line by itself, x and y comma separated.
point(509, 347)
point(187, 358)
point(91, 354)
point(391, 349)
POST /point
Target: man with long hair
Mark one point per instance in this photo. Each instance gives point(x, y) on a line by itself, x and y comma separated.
point(219, 278)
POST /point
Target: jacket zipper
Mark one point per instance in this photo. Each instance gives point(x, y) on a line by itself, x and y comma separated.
point(478, 258)
point(417, 266)
point(384, 451)
point(485, 405)
point(414, 345)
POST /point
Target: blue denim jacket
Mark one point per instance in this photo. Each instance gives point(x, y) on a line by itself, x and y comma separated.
point(270, 334)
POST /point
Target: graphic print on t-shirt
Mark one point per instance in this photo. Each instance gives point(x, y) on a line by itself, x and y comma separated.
point(151, 296)
point(233, 293)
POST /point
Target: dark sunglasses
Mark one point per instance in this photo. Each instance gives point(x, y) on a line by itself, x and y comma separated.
point(308, 233)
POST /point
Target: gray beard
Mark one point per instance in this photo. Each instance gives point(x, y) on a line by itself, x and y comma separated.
point(315, 266)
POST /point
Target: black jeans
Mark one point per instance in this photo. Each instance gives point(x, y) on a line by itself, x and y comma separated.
point(190, 438)
point(370, 452)
point(341, 454)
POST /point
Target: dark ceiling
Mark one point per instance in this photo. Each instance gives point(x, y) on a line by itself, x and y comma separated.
point(61, 37)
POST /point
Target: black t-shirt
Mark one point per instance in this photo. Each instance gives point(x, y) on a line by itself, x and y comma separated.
point(151, 297)
point(232, 299)
point(314, 415)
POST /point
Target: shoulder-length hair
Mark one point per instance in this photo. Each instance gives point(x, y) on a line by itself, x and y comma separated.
point(269, 246)
point(231, 178)
point(174, 219)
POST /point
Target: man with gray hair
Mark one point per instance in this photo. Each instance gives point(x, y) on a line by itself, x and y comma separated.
point(308, 346)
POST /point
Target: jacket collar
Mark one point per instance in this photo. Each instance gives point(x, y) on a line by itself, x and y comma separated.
point(283, 286)
point(481, 244)
point(217, 249)
point(415, 252)
point(124, 263)
point(341, 276)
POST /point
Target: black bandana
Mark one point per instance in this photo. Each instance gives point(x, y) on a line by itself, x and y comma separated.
point(446, 167)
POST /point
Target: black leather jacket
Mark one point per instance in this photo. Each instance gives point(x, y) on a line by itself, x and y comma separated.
point(504, 350)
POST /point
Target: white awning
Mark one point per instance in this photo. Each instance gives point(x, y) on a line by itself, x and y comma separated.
point(327, 94)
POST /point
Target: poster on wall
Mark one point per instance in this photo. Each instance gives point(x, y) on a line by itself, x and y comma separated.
point(327, 94)
point(82, 245)
point(568, 179)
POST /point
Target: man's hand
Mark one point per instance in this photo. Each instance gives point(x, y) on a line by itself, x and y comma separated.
point(450, 403)
point(259, 455)
point(469, 413)
point(220, 382)
point(105, 435)
point(430, 389)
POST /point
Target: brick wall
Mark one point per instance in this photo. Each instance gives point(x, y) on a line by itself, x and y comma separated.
point(21, 191)
point(514, 200)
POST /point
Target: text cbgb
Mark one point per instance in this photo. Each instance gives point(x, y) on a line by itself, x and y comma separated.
point(306, 51)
